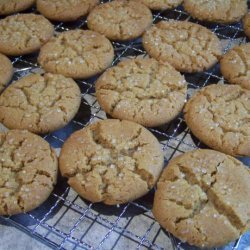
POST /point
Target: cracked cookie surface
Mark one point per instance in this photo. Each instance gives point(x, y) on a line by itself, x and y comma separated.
point(6, 71)
point(24, 33)
point(40, 104)
point(235, 65)
point(111, 161)
point(219, 115)
point(187, 46)
point(220, 11)
point(65, 10)
point(120, 20)
point(77, 54)
point(246, 24)
point(202, 190)
point(12, 6)
point(160, 4)
point(142, 90)
point(28, 171)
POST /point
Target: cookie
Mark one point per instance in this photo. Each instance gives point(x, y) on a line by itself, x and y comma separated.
point(219, 115)
point(219, 11)
point(187, 46)
point(120, 20)
point(13, 6)
point(65, 10)
point(24, 34)
point(28, 171)
point(40, 104)
point(246, 24)
point(142, 90)
point(160, 4)
point(111, 161)
point(235, 65)
point(6, 71)
point(77, 54)
point(201, 191)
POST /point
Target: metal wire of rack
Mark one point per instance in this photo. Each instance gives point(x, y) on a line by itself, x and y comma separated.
point(65, 220)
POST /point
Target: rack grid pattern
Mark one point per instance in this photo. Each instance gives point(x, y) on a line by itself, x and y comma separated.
point(65, 220)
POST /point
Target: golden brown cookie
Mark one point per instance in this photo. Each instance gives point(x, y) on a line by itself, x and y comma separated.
point(120, 20)
point(40, 104)
point(203, 198)
point(160, 4)
point(142, 90)
point(246, 24)
point(13, 6)
point(187, 46)
point(219, 115)
point(235, 65)
point(77, 54)
point(28, 171)
point(65, 10)
point(6, 71)
point(111, 161)
point(24, 33)
point(220, 11)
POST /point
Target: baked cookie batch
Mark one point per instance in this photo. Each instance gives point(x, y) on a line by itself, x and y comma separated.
point(118, 160)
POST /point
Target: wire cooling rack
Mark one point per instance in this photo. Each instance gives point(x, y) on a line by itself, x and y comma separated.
point(65, 220)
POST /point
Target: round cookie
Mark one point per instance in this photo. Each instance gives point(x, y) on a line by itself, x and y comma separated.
point(13, 6)
point(235, 65)
point(160, 4)
point(187, 46)
point(246, 24)
point(77, 54)
point(219, 11)
point(120, 20)
point(219, 115)
point(64, 10)
point(201, 191)
point(142, 90)
point(24, 33)
point(111, 161)
point(6, 71)
point(28, 171)
point(40, 104)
